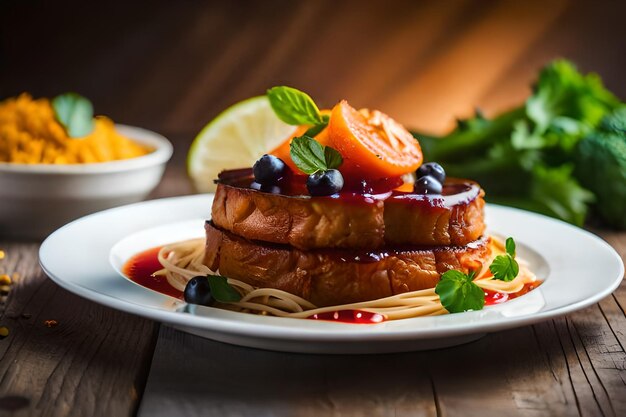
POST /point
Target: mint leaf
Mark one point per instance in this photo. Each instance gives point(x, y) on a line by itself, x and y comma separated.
point(221, 290)
point(332, 158)
point(307, 154)
point(510, 246)
point(293, 106)
point(310, 156)
point(74, 113)
point(458, 293)
point(504, 267)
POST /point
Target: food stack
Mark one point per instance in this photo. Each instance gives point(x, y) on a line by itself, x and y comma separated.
point(347, 232)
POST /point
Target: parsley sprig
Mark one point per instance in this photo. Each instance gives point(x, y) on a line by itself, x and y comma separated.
point(458, 292)
point(505, 267)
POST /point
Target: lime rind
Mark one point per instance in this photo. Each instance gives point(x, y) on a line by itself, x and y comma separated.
point(236, 138)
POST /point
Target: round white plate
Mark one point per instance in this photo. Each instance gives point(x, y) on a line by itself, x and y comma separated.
point(85, 257)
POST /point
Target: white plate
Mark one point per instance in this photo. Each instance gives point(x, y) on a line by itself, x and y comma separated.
point(85, 256)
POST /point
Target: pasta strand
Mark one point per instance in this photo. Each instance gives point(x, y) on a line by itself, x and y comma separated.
point(182, 261)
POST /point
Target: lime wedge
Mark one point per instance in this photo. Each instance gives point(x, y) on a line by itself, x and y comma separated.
point(236, 138)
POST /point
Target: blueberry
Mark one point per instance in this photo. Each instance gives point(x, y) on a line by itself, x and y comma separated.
point(324, 182)
point(268, 170)
point(198, 291)
point(427, 185)
point(434, 170)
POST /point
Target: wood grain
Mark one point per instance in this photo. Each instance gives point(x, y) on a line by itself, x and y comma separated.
point(92, 362)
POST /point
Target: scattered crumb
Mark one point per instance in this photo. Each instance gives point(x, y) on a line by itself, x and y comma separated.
point(50, 323)
point(5, 279)
point(2, 254)
point(4, 332)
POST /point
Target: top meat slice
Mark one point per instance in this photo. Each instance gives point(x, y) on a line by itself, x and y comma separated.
point(352, 221)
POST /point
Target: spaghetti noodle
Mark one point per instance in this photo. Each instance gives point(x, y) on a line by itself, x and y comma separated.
point(182, 261)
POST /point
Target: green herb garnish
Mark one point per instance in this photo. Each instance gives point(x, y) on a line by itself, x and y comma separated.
point(509, 246)
point(458, 293)
point(310, 156)
point(293, 106)
point(547, 154)
point(75, 113)
point(315, 129)
point(505, 267)
point(221, 290)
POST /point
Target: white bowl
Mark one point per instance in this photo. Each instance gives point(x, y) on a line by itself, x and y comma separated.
point(37, 199)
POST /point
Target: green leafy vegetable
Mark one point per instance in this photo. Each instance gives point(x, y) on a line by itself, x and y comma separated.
point(563, 91)
point(458, 292)
point(221, 290)
point(505, 267)
point(615, 122)
point(557, 193)
point(293, 106)
point(310, 156)
point(538, 156)
point(75, 113)
point(601, 167)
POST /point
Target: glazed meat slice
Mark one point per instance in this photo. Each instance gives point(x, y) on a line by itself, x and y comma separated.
point(333, 277)
point(302, 222)
point(412, 220)
point(352, 221)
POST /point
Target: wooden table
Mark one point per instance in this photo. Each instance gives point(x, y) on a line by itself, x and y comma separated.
point(172, 69)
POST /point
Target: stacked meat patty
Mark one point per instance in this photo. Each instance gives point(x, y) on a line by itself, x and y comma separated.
point(344, 248)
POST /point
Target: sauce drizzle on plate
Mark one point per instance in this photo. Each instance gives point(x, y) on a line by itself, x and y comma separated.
point(140, 268)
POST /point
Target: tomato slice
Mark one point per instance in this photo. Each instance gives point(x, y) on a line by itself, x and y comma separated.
point(372, 144)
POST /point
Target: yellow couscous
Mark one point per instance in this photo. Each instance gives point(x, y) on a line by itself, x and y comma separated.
point(30, 134)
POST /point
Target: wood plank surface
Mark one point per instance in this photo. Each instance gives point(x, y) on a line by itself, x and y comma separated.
point(65, 355)
point(172, 68)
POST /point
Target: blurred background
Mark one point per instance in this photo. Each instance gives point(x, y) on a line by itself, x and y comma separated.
point(172, 66)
